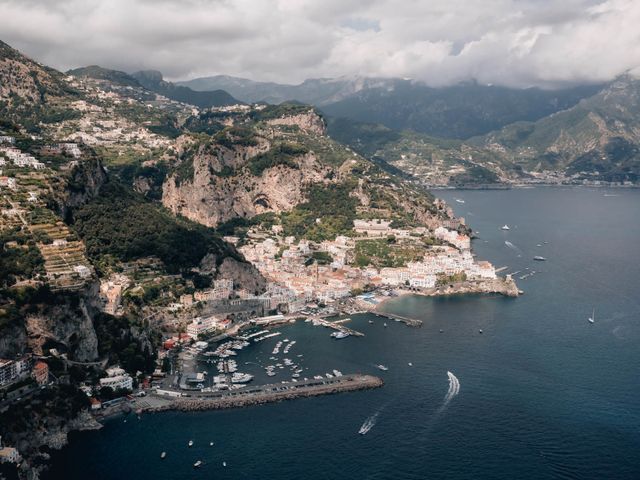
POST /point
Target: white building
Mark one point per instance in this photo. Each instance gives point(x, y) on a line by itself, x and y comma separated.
point(423, 281)
point(202, 326)
point(117, 378)
point(461, 242)
point(373, 228)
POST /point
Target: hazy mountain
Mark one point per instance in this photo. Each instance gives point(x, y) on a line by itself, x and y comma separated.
point(459, 111)
point(152, 80)
point(319, 91)
point(596, 139)
point(599, 135)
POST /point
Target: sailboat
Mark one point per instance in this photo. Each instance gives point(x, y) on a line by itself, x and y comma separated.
point(592, 318)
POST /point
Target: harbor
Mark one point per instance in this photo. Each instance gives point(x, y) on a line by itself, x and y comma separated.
point(258, 395)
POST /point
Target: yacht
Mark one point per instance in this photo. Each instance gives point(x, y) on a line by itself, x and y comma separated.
point(163, 455)
point(211, 444)
point(197, 464)
point(539, 258)
point(459, 200)
point(339, 335)
point(241, 378)
point(382, 367)
point(337, 373)
point(410, 364)
point(505, 227)
point(592, 318)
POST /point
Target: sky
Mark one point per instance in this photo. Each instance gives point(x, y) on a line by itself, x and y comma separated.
point(519, 43)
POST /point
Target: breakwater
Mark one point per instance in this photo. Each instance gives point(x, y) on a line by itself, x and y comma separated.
point(261, 394)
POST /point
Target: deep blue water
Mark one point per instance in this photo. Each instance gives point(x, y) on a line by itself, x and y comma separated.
point(543, 393)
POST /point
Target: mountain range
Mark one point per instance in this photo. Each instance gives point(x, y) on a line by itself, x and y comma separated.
point(458, 111)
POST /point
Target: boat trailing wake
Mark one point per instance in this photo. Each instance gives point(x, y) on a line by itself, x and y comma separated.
point(369, 423)
point(513, 247)
point(454, 389)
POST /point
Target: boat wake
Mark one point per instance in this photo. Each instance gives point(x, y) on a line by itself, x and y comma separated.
point(369, 423)
point(513, 247)
point(454, 389)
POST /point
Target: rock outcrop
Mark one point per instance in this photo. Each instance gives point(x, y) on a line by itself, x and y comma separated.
point(210, 198)
point(243, 274)
point(309, 122)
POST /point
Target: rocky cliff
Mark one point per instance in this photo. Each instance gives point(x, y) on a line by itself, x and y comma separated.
point(229, 177)
point(80, 185)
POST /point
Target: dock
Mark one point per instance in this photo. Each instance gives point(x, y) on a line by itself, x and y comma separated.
point(336, 326)
point(261, 394)
point(411, 322)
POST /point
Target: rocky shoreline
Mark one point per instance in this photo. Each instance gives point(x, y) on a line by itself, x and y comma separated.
point(502, 286)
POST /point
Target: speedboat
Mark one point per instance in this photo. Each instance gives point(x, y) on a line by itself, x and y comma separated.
point(385, 325)
point(410, 364)
point(197, 464)
point(505, 227)
point(190, 443)
point(163, 455)
point(382, 367)
point(592, 318)
point(539, 258)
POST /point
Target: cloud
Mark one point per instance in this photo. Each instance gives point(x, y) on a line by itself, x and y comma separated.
point(510, 42)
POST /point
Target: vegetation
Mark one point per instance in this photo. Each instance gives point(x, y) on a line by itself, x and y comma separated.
point(19, 257)
point(330, 211)
point(280, 154)
point(123, 225)
point(121, 339)
point(384, 252)
point(443, 280)
point(322, 258)
point(236, 135)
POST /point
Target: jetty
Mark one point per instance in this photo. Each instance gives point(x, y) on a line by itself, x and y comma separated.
point(411, 322)
point(260, 394)
point(336, 326)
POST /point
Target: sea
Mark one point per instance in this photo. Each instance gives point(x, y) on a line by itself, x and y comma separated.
point(541, 393)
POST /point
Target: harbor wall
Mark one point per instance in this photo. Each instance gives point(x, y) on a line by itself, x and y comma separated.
point(268, 394)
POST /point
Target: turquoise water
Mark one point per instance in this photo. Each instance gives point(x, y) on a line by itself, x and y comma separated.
point(543, 393)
